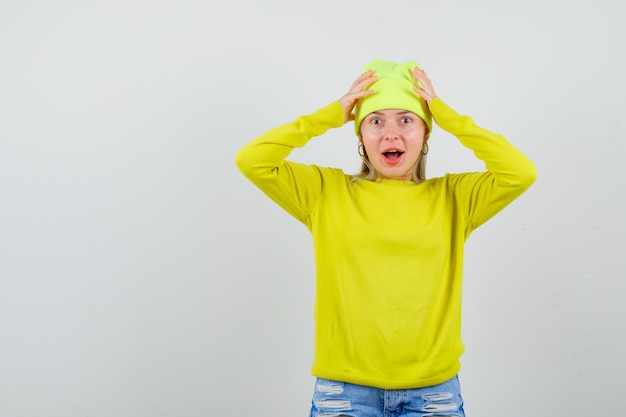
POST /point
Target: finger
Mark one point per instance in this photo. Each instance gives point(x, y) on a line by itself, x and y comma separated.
point(419, 72)
point(362, 83)
point(360, 94)
point(348, 101)
point(365, 75)
point(424, 84)
point(421, 76)
point(424, 94)
point(351, 98)
point(420, 92)
point(357, 91)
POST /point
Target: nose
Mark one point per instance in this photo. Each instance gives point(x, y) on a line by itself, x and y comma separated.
point(391, 132)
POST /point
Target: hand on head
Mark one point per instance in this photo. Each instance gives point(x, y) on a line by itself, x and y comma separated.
point(348, 101)
point(425, 89)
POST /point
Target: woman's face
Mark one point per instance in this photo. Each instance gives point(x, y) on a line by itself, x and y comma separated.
point(393, 141)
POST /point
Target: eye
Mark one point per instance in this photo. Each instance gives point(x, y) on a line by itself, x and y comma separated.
point(406, 119)
point(375, 121)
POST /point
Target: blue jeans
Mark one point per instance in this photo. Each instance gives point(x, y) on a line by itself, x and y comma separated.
point(341, 399)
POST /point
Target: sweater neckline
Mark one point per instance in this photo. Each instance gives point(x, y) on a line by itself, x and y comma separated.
point(395, 183)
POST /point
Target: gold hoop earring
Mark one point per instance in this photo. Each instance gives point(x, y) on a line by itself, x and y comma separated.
point(361, 150)
point(422, 151)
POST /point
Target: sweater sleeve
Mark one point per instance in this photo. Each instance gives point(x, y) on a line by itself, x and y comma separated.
point(508, 171)
point(294, 186)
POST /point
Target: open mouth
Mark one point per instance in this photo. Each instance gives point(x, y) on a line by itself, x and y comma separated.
point(392, 156)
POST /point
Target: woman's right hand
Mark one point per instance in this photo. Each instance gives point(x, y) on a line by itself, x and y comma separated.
point(348, 101)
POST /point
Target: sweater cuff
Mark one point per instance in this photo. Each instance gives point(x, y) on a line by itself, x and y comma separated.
point(447, 118)
point(329, 116)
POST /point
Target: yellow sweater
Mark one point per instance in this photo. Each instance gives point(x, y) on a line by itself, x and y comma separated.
point(388, 253)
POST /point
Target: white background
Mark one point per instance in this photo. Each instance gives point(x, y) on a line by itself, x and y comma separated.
point(142, 275)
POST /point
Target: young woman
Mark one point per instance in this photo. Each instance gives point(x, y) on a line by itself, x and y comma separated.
point(388, 243)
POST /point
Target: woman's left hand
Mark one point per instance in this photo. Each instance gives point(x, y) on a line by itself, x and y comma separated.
point(427, 91)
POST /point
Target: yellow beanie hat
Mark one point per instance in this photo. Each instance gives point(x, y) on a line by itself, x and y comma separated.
point(392, 90)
